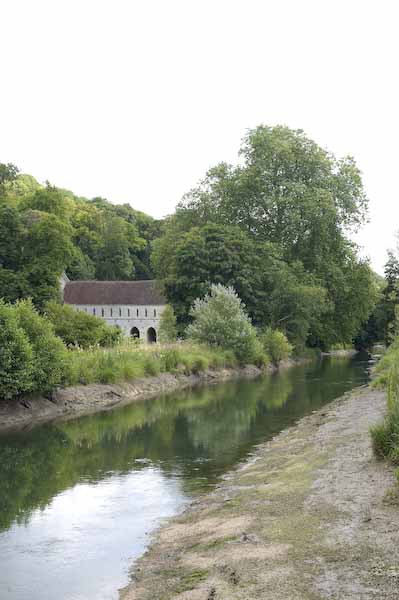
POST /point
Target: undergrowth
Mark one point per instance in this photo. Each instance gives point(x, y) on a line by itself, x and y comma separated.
point(385, 435)
point(128, 362)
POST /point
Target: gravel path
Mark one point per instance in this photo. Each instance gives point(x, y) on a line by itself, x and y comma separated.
point(312, 516)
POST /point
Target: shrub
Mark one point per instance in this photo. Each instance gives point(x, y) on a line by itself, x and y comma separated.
point(167, 326)
point(77, 328)
point(49, 352)
point(276, 345)
point(220, 320)
point(16, 355)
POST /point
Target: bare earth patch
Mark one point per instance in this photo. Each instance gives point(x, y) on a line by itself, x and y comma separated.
point(311, 517)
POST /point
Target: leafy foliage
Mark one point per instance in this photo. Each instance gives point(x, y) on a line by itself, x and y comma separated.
point(276, 345)
point(78, 328)
point(49, 352)
point(219, 319)
point(16, 355)
point(278, 236)
point(45, 231)
point(273, 227)
point(32, 357)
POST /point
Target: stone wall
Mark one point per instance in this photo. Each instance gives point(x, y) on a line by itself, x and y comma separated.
point(127, 317)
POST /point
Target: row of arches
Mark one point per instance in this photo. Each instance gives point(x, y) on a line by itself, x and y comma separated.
point(151, 334)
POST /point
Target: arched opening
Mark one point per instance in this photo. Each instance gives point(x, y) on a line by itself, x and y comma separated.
point(151, 335)
point(135, 333)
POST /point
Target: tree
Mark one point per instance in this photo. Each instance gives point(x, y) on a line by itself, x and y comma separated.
point(16, 355)
point(390, 298)
point(296, 202)
point(114, 261)
point(206, 255)
point(11, 235)
point(274, 293)
point(49, 352)
point(288, 191)
point(167, 325)
point(219, 319)
point(8, 174)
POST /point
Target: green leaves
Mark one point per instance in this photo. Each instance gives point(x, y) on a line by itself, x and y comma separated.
point(219, 320)
point(283, 214)
point(78, 328)
point(45, 231)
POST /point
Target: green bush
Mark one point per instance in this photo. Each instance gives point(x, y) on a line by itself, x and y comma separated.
point(276, 345)
point(77, 328)
point(49, 352)
point(220, 320)
point(16, 355)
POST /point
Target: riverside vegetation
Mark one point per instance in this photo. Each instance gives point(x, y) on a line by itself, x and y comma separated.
point(275, 229)
point(64, 347)
point(385, 435)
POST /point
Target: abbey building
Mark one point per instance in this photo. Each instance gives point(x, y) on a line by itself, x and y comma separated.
point(133, 306)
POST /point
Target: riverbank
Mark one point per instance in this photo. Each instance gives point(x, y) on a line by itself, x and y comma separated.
point(81, 400)
point(313, 515)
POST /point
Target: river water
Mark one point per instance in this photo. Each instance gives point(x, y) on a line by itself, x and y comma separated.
point(80, 499)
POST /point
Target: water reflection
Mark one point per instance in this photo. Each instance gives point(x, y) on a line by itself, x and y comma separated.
point(77, 497)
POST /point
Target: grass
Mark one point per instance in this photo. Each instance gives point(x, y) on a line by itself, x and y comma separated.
point(128, 362)
point(385, 435)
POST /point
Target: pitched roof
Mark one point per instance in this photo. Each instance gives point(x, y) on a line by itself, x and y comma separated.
point(113, 292)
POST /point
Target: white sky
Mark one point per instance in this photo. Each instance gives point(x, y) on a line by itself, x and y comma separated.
point(134, 101)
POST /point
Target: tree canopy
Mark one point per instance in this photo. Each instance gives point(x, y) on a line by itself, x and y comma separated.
point(275, 227)
point(45, 230)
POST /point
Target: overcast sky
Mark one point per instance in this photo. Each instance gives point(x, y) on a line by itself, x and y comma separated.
point(134, 101)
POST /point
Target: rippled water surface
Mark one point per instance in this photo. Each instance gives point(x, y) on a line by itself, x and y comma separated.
point(79, 499)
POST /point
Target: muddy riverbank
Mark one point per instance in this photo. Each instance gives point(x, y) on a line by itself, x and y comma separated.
point(312, 516)
point(82, 400)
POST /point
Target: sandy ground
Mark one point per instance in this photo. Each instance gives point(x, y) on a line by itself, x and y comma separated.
point(312, 516)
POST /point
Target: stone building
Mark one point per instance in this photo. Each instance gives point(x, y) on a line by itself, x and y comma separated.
point(133, 306)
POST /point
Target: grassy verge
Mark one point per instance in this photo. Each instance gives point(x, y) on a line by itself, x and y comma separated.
point(385, 435)
point(128, 362)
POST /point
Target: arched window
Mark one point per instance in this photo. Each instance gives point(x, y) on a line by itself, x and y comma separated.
point(146, 312)
point(135, 333)
point(137, 312)
point(111, 311)
point(128, 312)
point(151, 335)
point(155, 312)
point(102, 312)
point(120, 312)
point(94, 311)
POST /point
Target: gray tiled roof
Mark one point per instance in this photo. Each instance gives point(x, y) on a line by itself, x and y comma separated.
point(113, 292)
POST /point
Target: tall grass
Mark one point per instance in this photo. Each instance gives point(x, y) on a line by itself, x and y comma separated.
point(128, 362)
point(385, 435)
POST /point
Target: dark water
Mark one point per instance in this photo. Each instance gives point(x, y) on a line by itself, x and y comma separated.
point(79, 499)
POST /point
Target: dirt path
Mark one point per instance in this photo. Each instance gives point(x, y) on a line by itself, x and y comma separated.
point(312, 516)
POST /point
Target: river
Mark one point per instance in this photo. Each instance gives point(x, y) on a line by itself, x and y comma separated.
point(79, 499)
